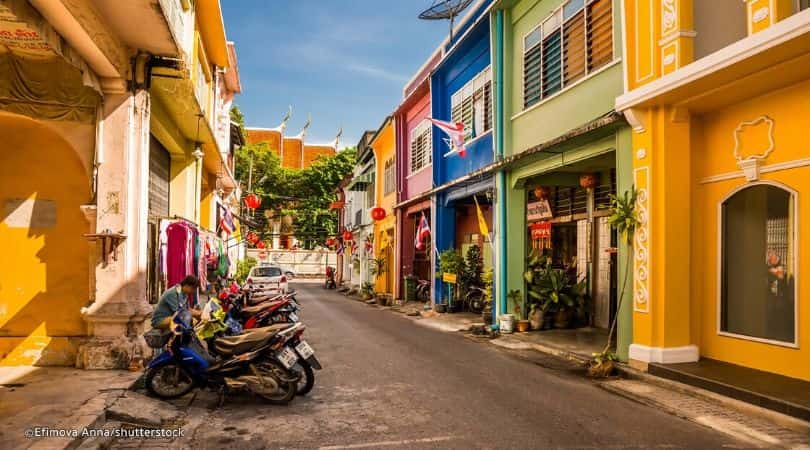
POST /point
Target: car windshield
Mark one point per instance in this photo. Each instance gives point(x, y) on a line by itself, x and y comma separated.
point(266, 272)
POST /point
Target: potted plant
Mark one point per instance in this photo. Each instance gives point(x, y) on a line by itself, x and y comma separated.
point(486, 314)
point(536, 264)
point(625, 220)
point(451, 263)
point(367, 291)
point(516, 296)
point(560, 293)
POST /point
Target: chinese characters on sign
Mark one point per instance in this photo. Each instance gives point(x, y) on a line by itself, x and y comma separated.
point(541, 230)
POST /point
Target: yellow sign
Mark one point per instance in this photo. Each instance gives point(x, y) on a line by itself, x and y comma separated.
point(449, 277)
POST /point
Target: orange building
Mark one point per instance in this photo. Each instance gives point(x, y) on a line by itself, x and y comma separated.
point(293, 151)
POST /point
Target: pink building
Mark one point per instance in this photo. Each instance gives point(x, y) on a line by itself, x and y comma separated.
point(414, 174)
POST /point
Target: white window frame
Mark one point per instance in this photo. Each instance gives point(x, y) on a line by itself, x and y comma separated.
point(562, 21)
point(422, 131)
point(468, 91)
point(794, 196)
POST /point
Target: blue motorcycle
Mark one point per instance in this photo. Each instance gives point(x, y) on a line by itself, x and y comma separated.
point(253, 361)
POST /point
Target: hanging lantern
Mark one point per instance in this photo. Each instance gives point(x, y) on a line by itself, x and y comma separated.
point(253, 201)
point(347, 235)
point(377, 213)
point(330, 242)
point(253, 238)
point(261, 245)
point(541, 192)
point(588, 181)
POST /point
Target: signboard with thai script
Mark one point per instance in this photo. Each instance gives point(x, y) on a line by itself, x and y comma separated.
point(538, 210)
point(449, 277)
point(541, 230)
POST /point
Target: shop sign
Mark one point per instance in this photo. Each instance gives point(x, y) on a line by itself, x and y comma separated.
point(541, 230)
point(538, 210)
point(449, 277)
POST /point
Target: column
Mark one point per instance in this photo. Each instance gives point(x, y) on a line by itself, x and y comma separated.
point(119, 305)
point(677, 41)
point(764, 13)
point(661, 278)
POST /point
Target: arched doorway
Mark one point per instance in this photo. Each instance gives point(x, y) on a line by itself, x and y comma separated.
point(44, 282)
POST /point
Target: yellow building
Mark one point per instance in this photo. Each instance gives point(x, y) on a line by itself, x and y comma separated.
point(718, 94)
point(384, 146)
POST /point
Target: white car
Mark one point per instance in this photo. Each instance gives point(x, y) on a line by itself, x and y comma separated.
point(267, 277)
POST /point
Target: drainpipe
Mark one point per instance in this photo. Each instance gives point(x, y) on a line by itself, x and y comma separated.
point(501, 175)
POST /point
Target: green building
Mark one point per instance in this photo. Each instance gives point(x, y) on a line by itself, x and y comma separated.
point(562, 148)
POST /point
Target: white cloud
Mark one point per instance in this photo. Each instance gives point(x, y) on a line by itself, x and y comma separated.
point(376, 72)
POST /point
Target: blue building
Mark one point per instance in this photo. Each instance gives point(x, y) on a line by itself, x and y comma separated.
point(462, 91)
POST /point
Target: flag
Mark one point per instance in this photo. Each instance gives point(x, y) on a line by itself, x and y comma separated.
point(227, 223)
point(340, 249)
point(455, 136)
point(369, 247)
point(482, 222)
point(422, 233)
point(354, 247)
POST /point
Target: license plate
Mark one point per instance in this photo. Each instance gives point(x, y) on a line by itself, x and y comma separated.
point(287, 357)
point(293, 317)
point(304, 350)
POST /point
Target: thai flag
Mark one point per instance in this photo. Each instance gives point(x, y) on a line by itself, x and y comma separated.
point(340, 249)
point(422, 233)
point(227, 223)
point(369, 247)
point(354, 247)
point(455, 136)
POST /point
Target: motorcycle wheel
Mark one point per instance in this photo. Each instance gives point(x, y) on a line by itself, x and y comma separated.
point(307, 381)
point(169, 381)
point(476, 302)
point(286, 390)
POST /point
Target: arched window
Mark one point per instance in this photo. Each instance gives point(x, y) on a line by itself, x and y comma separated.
point(758, 275)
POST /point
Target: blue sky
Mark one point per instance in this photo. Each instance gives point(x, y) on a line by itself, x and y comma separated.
point(343, 61)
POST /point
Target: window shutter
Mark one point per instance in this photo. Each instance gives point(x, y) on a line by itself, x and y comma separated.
point(574, 52)
point(600, 33)
point(532, 60)
point(552, 74)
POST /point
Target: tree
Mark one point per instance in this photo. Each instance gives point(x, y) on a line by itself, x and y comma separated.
point(238, 118)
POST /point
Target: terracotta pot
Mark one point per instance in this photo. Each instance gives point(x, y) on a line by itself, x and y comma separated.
point(523, 326)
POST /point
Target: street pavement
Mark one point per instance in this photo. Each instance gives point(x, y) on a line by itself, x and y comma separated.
point(389, 383)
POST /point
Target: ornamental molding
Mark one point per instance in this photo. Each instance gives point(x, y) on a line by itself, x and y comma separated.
point(642, 253)
point(669, 16)
point(750, 164)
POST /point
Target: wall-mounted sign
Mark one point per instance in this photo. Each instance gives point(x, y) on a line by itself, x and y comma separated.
point(541, 230)
point(538, 210)
point(449, 277)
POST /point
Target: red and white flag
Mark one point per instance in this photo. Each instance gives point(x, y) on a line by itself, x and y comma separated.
point(455, 136)
point(422, 233)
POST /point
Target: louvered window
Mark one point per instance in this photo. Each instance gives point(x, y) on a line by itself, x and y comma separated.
point(575, 40)
point(389, 177)
point(421, 146)
point(472, 105)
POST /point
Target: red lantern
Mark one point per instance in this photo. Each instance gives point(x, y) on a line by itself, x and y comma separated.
point(377, 213)
point(330, 242)
point(253, 238)
point(253, 201)
point(347, 235)
point(588, 181)
point(261, 245)
point(541, 192)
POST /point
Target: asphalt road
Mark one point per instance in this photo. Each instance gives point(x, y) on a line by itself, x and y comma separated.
point(390, 383)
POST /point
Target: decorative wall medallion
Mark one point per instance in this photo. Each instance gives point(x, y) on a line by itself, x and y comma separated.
point(760, 14)
point(642, 254)
point(753, 143)
point(669, 17)
point(641, 153)
point(669, 59)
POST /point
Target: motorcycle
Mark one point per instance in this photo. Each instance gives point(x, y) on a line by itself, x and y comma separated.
point(330, 279)
point(258, 361)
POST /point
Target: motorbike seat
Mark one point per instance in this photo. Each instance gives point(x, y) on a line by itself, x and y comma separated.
point(247, 341)
point(259, 307)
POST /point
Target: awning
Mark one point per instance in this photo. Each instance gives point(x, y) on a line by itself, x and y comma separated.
point(360, 182)
point(468, 190)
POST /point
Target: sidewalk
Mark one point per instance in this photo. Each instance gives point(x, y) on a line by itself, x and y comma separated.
point(58, 398)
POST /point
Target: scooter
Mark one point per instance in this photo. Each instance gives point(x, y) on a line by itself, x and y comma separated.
point(330, 279)
point(257, 361)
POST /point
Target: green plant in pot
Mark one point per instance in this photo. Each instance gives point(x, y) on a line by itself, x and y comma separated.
point(450, 262)
point(486, 314)
point(536, 265)
point(623, 219)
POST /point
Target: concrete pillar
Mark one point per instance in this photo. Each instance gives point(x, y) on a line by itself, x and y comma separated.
point(119, 306)
point(764, 13)
point(661, 301)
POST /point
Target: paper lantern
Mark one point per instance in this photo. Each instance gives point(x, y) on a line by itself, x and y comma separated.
point(253, 238)
point(330, 242)
point(588, 181)
point(261, 245)
point(347, 235)
point(541, 192)
point(253, 201)
point(377, 213)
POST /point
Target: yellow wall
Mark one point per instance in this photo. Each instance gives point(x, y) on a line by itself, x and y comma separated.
point(44, 273)
point(714, 143)
point(384, 149)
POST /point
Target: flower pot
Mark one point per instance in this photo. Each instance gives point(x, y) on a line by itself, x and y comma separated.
point(440, 308)
point(522, 326)
point(536, 319)
point(562, 319)
point(486, 315)
point(548, 321)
